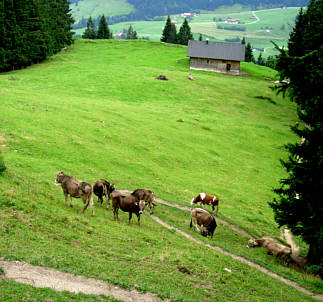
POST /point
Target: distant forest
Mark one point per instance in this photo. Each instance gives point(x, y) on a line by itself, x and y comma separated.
point(32, 30)
point(151, 9)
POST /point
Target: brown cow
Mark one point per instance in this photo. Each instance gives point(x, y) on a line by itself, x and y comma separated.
point(204, 199)
point(103, 188)
point(127, 203)
point(77, 189)
point(147, 196)
point(277, 249)
point(205, 220)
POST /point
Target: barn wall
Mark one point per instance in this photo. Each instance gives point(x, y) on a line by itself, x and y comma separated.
point(214, 65)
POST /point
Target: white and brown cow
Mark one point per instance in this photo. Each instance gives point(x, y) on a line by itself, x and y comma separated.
point(208, 199)
point(206, 221)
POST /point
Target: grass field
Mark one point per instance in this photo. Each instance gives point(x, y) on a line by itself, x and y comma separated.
point(95, 8)
point(273, 25)
point(96, 111)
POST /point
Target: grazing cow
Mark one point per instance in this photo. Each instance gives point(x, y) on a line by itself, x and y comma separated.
point(204, 199)
point(127, 203)
point(277, 249)
point(205, 220)
point(147, 196)
point(77, 189)
point(103, 188)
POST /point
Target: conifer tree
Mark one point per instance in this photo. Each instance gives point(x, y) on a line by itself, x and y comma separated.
point(243, 41)
point(200, 37)
point(299, 202)
point(103, 29)
point(169, 32)
point(131, 34)
point(249, 54)
point(90, 31)
point(261, 60)
point(184, 34)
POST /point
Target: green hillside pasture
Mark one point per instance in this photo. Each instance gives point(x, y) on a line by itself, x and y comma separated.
point(96, 111)
point(97, 8)
point(100, 106)
point(235, 243)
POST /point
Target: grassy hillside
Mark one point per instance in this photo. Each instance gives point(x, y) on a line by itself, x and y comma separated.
point(96, 111)
point(97, 8)
point(273, 25)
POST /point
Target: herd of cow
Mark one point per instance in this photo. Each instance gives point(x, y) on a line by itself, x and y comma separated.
point(133, 203)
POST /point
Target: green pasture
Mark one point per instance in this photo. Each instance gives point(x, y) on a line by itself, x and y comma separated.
point(95, 8)
point(97, 111)
point(274, 25)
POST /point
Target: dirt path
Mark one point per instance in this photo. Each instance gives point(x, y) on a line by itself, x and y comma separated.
point(46, 277)
point(241, 259)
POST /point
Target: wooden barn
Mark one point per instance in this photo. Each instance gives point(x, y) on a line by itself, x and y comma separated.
point(215, 56)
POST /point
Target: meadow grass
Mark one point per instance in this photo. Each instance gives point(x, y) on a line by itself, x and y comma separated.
point(96, 8)
point(96, 111)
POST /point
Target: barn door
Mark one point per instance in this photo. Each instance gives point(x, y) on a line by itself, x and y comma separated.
point(228, 67)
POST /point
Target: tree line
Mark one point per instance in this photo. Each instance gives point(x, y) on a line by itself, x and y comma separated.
point(32, 30)
point(103, 31)
point(170, 34)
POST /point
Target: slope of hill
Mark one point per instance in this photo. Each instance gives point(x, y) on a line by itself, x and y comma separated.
point(96, 111)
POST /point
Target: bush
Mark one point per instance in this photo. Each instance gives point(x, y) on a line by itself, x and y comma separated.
point(2, 165)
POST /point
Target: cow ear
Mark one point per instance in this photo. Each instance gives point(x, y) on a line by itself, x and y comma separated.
point(137, 203)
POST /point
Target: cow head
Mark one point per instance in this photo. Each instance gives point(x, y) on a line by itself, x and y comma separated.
point(112, 188)
point(59, 177)
point(252, 243)
point(141, 204)
point(192, 201)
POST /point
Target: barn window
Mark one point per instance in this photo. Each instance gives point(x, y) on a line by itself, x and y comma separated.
point(228, 67)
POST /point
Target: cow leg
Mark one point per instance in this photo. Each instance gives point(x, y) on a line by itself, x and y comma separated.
point(217, 208)
point(130, 215)
point(71, 203)
point(108, 201)
point(115, 212)
point(86, 204)
point(66, 196)
point(91, 204)
point(138, 216)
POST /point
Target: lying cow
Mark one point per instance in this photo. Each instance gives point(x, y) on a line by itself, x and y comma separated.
point(127, 203)
point(204, 199)
point(103, 188)
point(77, 189)
point(277, 249)
point(205, 220)
point(147, 196)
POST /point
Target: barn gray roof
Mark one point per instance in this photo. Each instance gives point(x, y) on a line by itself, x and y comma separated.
point(216, 50)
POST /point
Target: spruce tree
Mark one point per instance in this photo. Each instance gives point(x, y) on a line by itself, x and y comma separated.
point(249, 54)
point(131, 34)
point(243, 41)
point(167, 31)
point(200, 37)
point(103, 29)
point(184, 34)
point(299, 201)
point(90, 31)
point(261, 60)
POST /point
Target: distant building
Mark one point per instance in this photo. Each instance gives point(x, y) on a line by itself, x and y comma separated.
point(185, 15)
point(232, 21)
point(216, 56)
point(118, 33)
point(174, 21)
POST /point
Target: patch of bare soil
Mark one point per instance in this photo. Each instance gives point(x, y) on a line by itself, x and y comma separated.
point(46, 277)
point(241, 259)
